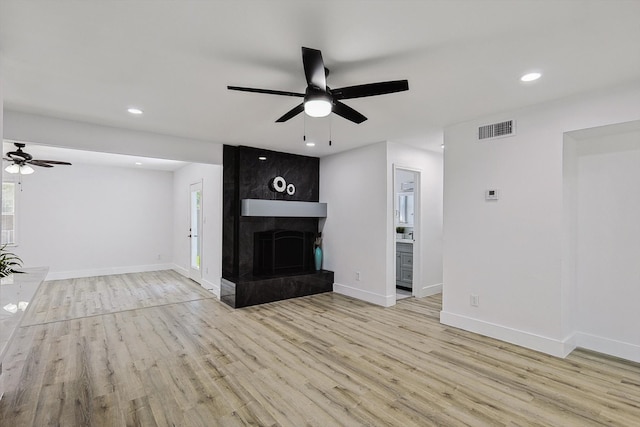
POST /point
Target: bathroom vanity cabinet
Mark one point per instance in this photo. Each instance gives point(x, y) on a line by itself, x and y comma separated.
point(404, 265)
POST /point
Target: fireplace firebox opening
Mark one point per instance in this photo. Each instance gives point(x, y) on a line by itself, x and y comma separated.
point(282, 252)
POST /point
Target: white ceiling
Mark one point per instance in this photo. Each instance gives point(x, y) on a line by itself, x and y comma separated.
point(89, 61)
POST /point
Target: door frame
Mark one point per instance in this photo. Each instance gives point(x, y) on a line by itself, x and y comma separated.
point(417, 228)
point(196, 274)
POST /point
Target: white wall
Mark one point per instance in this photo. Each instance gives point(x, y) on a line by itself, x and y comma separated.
point(211, 257)
point(608, 245)
point(511, 252)
point(356, 231)
point(359, 232)
point(90, 137)
point(87, 220)
point(569, 238)
point(428, 245)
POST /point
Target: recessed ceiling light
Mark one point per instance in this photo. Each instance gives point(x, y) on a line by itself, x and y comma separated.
point(442, 146)
point(530, 77)
point(310, 144)
point(263, 158)
point(138, 164)
point(135, 111)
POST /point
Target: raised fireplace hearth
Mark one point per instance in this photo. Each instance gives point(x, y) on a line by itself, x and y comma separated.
point(252, 290)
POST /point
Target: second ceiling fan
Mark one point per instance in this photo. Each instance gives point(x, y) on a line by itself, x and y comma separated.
point(21, 161)
point(319, 99)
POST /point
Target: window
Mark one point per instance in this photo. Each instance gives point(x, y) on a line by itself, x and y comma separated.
point(8, 213)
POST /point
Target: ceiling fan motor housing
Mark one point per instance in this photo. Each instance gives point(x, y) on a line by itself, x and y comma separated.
point(19, 155)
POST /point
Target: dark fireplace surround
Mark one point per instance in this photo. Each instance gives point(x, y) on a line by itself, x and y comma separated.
point(266, 258)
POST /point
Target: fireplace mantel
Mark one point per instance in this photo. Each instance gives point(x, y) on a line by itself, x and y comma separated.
point(283, 208)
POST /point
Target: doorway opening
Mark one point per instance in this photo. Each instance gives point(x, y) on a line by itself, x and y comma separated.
point(406, 202)
point(602, 237)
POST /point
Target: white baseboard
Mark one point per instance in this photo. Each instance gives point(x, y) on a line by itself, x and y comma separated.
point(429, 290)
point(211, 287)
point(569, 344)
point(608, 346)
point(554, 347)
point(180, 270)
point(107, 271)
point(383, 300)
point(208, 285)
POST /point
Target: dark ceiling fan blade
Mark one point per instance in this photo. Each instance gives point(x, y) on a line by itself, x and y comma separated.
point(314, 69)
point(347, 112)
point(39, 163)
point(267, 91)
point(291, 113)
point(53, 162)
point(371, 89)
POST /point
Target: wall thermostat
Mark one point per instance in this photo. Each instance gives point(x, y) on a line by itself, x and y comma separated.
point(491, 194)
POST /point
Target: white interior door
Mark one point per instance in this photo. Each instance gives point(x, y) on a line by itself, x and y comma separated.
point(195, 231)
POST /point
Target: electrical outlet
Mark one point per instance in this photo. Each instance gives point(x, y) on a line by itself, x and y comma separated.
point(159, 256)
point(475, 300)
point(357, 275)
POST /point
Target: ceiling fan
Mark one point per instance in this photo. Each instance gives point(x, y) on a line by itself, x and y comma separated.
point(21, 161)
point(319, 99)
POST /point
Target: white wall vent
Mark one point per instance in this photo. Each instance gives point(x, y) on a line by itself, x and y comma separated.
point(497, 130)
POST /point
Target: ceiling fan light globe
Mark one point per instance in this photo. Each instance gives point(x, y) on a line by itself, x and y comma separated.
point(317, 107)
point(13, 168)
point(26, 170)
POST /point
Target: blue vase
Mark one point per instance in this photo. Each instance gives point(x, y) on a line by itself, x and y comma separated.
point(317, 254)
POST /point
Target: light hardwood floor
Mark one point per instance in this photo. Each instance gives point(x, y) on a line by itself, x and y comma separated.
point(155, 349)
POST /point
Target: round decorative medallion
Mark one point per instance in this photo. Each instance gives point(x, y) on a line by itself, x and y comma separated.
point(278, 184)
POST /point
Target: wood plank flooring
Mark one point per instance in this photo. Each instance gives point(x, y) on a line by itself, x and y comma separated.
point(154, 349)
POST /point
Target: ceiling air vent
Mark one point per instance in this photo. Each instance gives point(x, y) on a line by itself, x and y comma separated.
point(497, 130)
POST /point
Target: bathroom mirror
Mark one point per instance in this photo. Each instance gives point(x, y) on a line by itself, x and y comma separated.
point(405, 209)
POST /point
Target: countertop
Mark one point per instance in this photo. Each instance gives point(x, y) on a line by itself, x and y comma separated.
point(16, 292)
point(404, 241)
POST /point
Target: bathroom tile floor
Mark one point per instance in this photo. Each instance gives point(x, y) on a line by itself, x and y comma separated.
point(401, 294)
